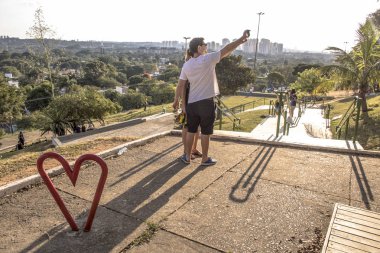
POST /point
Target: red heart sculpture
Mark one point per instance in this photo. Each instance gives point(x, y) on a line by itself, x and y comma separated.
point(73, 175)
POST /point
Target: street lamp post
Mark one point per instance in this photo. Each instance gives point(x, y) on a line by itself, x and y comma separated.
point(257, 39)
point(345, 46)
point(186, 38)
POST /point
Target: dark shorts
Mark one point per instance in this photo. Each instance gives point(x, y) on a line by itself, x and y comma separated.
point(201, 113)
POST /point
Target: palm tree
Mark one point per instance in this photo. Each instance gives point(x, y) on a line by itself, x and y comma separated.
point(360, 66)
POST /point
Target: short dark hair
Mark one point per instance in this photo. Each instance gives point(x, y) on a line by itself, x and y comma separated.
point(194, 43)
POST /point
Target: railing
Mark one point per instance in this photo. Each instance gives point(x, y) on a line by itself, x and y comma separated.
point(326, 114)
point(224, 110)
point(345, 121)
point(242, 107)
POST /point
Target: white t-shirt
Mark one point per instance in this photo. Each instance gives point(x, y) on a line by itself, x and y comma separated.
point(201, 74)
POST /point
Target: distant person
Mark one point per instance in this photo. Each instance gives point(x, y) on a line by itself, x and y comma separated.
point(145, 104)
point(200, 110)
point(293, 104)
point(21, 141)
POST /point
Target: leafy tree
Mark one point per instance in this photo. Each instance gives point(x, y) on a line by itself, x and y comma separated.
point(11, 102)
point(40, 31)
point(170, 73)
point(4, 55)
point(360, 66)
point(308, 81)
point(112, 95)
point(136, 79)
point(39, 97)
point(134, 70)
point(75, 108)
point(302, 67)
point(10, 69)
point(275, 78)
point(161, 94)
point(93, 71)
point(232, 75)
point(132, 100)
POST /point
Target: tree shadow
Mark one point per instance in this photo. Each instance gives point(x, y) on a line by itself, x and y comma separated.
point(361, 178)
point(252, 175)
point(125, 213)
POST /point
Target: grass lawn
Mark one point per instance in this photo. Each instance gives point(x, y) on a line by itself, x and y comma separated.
point(137, 113)
point(249, 120)
point(369, 127)
point(232, 101)
point(22, 163)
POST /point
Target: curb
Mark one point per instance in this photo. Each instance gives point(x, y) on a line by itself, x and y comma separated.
point(36, 179)
point(219, 135)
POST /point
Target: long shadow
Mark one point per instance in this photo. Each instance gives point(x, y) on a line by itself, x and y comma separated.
point(365, 188)
point(129, 206)
point(262, 161)
point(139, 167)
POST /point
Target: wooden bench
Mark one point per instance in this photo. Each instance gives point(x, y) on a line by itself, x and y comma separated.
point(352, 229)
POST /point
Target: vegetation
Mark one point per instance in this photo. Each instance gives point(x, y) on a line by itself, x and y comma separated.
point(249, 120)
point(369, 130)
point(359, 69)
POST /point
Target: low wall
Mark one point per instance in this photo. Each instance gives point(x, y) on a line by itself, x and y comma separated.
point(74, 136)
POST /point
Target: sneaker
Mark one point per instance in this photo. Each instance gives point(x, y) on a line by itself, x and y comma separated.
point(184, 159)
point(209, 162)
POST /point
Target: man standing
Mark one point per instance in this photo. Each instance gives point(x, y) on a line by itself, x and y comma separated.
point(200, 110)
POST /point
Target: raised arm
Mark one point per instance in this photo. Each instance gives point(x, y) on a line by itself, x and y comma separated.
point(227, 50)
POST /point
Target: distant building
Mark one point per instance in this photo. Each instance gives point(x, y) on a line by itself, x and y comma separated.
point(264, 46)
point(122, 89)
point(225, 41)
point(8, 75)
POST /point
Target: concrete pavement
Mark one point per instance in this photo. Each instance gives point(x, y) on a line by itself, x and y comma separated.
point(257, 198)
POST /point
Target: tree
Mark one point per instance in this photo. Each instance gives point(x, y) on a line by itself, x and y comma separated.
point(134, 70)
point(360, 66)
point(275, 78)
point(132, 100)
point(232, 75)
point(11, 103)
point(72, 109)
point(40, 31)
point(172, 71)
point(308, 81)
point(302, 67)
point(39, 97)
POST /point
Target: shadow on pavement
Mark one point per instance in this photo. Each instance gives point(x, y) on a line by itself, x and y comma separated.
point(361, 178)
point(126, 213)
point(141, 166)
point(252, 175)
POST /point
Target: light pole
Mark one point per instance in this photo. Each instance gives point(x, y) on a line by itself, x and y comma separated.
point(257, 39)
point(345, 46)
point(186, 38)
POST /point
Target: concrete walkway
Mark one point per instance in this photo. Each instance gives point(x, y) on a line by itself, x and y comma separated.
point(310, 124)
point(257, 198)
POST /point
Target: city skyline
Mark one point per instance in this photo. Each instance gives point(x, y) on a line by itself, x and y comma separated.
point(298, 25)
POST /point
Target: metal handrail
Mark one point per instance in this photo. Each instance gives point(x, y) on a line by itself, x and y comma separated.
point(355, 106)
point(224, 110)
point(342, 121)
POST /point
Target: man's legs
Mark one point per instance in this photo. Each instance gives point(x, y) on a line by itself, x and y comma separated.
point(205, 142)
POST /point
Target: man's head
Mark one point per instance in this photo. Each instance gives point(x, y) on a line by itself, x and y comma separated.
point(197, 46)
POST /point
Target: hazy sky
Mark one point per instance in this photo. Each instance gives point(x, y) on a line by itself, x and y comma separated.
point(298, 24)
